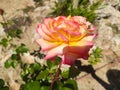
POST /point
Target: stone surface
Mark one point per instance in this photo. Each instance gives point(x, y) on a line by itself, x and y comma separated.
point(108, 26)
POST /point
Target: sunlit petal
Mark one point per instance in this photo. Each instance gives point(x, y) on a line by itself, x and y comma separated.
point(46, 45)
point(55, 51)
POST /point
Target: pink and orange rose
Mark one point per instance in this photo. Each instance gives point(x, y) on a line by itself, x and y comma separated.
point(68, 37)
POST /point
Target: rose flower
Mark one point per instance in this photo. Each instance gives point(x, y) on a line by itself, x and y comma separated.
point(68, 37)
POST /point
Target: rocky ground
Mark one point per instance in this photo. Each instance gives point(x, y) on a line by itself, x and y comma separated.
point(107, 73)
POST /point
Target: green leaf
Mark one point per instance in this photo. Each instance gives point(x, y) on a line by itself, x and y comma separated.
point(11, 33)
point(36, 66)
point(53, 65)
point(22, 49)
point(14, 63)
point(92, 60)
point(57, 61)
point(65, 74)
point(1, 83)
point(72, 84)
point(35, 85)
point(31, 70)
point(4, 88)
point(75, 70)
point(15, 57)
point(14, 33)
point(97, 52)
point(4, 42)
point(58, 85)
point(26, 71)
point(42, 75)
point(49, 64)
point(18, 32)
point(66, 88)
point(45, 88)
point(7, 64)
point(95, 56)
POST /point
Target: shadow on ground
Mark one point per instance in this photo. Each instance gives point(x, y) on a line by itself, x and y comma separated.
point(113, 76)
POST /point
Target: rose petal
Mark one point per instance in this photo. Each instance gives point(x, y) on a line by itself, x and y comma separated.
point(60, 18)
point(79, 19)
point(86, 40)
point(46, 30)
point(69, 58)
point(74, 52)
point(63, 37)
point(42, 34)
point(48, 22)
point(49, 33)
point(55, 51)
point(45, 45)
point(79, 50)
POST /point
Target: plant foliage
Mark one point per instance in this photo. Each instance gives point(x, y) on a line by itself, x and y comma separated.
point(95, 56)
point(2, 85)
point(40, 77)
point(15, 58)
point(82, 9)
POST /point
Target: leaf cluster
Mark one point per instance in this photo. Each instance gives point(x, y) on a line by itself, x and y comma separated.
point(83, 9)
point(2, 85)
point(14, 33)
point(10, 34)
point(4, 42)
point(40, 77)
point(15, 58)
point(7, 23)
point(95, 56)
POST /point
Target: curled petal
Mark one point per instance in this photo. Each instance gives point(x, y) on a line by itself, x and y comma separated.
point(72, 53)
point(49, 33)
point(42, 33)
point(69, 58)
point(78, 50)
point(48, 22)
point(45, 29)
point(59, 20)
